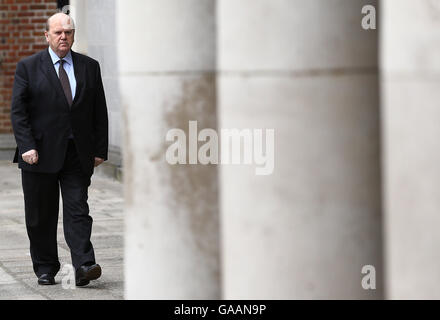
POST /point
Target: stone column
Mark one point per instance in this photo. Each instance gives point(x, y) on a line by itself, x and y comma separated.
point(166, 54)
point(410, 85)
point(308, 70)
point(100, 22)
point(79, 14)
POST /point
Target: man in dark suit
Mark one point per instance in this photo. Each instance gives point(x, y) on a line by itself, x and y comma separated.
point(60, 123)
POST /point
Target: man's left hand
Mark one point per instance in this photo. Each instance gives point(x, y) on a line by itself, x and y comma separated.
point(98, 161)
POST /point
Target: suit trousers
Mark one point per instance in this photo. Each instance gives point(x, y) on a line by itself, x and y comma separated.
point(41, 197)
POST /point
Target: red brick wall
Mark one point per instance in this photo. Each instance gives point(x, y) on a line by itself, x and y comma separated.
point(21, 34)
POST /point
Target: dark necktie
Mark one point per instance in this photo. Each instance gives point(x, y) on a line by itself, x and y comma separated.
point(65, 82)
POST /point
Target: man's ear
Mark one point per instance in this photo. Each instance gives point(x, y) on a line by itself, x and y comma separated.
point(46, 34)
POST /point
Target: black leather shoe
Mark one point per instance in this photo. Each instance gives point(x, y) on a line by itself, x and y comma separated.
point(46, 279)
point(86, 273)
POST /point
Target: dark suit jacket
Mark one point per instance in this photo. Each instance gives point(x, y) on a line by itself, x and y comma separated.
point(42, 120)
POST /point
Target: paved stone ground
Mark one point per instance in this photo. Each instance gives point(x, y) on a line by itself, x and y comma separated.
point(17, 279)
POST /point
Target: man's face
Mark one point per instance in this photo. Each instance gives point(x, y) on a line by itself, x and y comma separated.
point(60, 36)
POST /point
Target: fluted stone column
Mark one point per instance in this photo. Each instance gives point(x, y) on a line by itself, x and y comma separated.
point(166, 54)
point(410, 84)
point(309, 71)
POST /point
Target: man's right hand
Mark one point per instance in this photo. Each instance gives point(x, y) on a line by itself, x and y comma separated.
point(30, 157)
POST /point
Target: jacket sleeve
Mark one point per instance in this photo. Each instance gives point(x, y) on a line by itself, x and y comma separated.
point(100, 119)
point(20, 111)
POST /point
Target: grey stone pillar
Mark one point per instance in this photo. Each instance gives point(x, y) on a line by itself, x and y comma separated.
point(166, 55)
point(410, 65)
point(308, 70)
point(95, 36)
point(79, 9)
point(101, 44)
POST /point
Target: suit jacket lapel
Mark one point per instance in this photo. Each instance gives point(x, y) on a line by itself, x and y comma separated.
point(80, 73)
point(48, 69)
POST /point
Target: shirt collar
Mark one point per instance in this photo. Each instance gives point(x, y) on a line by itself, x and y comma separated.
point(55, 58)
